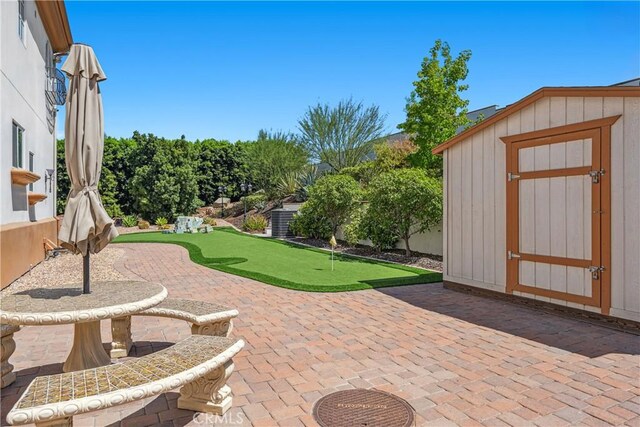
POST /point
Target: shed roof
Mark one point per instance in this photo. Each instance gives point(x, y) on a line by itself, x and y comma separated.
point(588, 91)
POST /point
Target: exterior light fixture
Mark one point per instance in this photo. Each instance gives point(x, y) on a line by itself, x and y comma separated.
point(48, 177)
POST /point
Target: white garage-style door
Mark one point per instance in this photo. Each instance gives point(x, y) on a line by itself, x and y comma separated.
point(558, 201)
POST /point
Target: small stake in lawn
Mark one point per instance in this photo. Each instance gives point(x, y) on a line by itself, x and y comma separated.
point(333, 244)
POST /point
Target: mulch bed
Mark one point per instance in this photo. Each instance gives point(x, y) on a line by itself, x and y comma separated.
point(431, 262)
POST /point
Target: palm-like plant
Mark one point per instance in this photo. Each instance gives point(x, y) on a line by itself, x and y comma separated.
point(298, 183)
point(341, 136)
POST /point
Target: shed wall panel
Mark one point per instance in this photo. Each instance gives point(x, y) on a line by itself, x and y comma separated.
point(631, 194)
point(488, 206)
point(613, 106)
point(477, 207)
point(476, 198)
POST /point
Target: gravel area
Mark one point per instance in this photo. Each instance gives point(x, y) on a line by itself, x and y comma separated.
point(135, 229)
point(431, 262)
point(67, 268)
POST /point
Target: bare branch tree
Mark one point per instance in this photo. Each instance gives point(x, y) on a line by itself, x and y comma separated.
point(341, 136)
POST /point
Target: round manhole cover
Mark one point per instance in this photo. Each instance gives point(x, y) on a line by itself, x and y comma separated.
point(360, 407)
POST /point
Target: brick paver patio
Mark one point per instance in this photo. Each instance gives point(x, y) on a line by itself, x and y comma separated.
point(458, 359)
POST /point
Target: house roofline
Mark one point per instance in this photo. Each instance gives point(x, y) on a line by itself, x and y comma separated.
point(626, 81)
point(53, 14)
point(587, 91)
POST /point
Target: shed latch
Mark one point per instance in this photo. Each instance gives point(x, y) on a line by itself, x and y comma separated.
point(595, 271)
point(595, 175)
point(512, 176)
point(512, 255)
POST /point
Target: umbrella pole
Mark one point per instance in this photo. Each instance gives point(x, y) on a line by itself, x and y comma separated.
point(85, 274)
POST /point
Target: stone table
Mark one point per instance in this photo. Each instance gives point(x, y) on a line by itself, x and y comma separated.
point(56, 306)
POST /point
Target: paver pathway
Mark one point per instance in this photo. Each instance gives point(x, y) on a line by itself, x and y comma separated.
point(457, 358)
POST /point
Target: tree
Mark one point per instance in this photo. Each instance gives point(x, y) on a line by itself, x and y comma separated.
point(63, 184)
point(117, 161)
point(272, 157)
point(165, 182)
point(341, 136)
point(334, 197)
point(404, 202)
point(220, 163)
point(388, 156)
point(435, 109)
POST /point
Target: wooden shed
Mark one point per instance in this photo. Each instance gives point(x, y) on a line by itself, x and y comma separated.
point(542, 200)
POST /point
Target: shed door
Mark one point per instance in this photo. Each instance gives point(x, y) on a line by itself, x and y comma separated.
point(554, 217)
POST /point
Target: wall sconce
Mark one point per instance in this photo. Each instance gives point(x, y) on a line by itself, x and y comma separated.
point(48, 177)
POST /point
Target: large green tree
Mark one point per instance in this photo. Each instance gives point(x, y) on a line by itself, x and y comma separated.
point(165, 181)
point(274, 156)
point(341, 136)
point(220, 163)
point(117, 170)
point(405, 202)
point(435, 108)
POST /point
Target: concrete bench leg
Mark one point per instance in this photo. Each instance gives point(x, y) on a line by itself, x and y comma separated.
point(222, 328)
point(208, 394)
point(121, 337)
point(7, 347)
point(60, 422)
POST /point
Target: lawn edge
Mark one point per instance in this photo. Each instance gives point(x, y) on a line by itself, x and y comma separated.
point(195, 255)
point(371, 260)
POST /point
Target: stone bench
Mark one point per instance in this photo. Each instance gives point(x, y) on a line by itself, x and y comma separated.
point(7, 347)
point(200, 365)
point(206, 319)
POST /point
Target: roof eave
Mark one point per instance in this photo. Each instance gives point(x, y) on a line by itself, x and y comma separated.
point(592, 91)
point(53, 14)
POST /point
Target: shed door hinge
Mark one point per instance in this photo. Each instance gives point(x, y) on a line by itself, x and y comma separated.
point(595, 271)
point(595, 175)
point(512, 255)
point(512, 176)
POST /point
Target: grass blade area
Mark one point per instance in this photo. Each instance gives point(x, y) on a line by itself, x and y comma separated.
point(286, 264)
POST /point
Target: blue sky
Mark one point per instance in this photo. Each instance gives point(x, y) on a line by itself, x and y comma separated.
point(226, 70)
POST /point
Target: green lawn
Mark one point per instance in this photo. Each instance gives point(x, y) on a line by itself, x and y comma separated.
point(286, 264)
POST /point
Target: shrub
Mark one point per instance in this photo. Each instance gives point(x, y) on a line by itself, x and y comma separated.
point(164, 227)
point(404, 202)
point(129, 221)
point(143, 225)
point(307, 222)
point(210, 221)
point(352, 231)
point(161, 221)
point(256, 201)
point(382, 235)
point(255, 224)
point(334, 197)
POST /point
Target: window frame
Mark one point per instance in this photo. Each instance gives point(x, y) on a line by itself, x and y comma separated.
point(17, 145)
point(21, 21)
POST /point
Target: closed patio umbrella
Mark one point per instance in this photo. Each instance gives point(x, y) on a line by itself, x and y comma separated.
point(86, 227)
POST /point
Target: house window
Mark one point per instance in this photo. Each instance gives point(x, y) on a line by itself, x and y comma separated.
point(48, 59)
point(18, 144)
point(21, 19)
point(31, 155)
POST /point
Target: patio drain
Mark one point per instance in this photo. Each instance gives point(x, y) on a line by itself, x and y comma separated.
point(361, 407)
